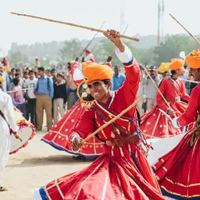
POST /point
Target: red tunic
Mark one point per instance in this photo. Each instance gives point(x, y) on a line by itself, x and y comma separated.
point(178, 171)
point(156, 125)
point(119, 173)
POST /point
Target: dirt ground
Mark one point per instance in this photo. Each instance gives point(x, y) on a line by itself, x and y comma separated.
point(34, 166)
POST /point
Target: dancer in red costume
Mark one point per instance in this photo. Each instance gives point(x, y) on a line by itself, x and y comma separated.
point(122, 172)
point(58, 136)
point(178, 171)
point(154, 124)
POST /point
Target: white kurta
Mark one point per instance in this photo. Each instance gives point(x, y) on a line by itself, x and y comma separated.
point(6, 107)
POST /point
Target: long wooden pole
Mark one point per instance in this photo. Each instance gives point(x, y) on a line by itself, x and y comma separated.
point(112, 120)
point(75, 25)
point(191, 81)
point(91, 40)
point(115, 47)
point(192, 36)
point(20, 90)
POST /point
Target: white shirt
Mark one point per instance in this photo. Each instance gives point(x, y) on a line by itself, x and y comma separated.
point(31, 84)
point(7, 109)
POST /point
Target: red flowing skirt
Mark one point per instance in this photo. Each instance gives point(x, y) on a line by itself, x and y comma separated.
point(115, 175)
point(178, 171)
point(154, 124)
point(58, 136)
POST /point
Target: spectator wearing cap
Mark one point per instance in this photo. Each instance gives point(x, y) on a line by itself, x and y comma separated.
point(44, 93)
point(60, 98)
point(18, 97)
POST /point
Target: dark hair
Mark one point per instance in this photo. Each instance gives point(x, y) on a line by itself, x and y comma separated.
point(17, 74)
point(106, 81)
point(53, 70)
point(13, 69)
point(31, 71)
point(15, 81)
point(173, 72)
point(40, 68)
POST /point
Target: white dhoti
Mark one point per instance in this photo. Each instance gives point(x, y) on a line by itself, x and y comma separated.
point(7, 108)
point(4, 146)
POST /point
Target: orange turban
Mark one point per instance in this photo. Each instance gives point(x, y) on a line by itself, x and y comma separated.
point(176, 64)
point(193, 59)
point(96, 72)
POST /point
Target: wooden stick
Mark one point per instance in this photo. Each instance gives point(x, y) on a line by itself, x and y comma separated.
point(115, 47)
point(112, 120)
point(157, 88)
point(21, 90)
point(75, 25)
point(191, 81)
point(91, 40)
point(192, 36)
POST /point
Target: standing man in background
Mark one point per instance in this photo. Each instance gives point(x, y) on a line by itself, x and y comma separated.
point(31, 84)
point(44, 97)
point(150, 90)
point(118, 79)
point(60, 98)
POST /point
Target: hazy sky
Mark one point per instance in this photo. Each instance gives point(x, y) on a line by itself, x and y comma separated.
point(141, 15)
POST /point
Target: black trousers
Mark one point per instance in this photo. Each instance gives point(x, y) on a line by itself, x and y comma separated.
point(31, 110)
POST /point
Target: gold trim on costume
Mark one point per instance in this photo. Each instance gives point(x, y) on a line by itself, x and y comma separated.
point(180, 184)
point(177, 194)
point(97, 167)
point(154, 128)
point(109, 113)
point(119, 183)
point(59, 190)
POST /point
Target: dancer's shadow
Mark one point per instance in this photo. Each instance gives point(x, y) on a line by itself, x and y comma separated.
point(50, 160)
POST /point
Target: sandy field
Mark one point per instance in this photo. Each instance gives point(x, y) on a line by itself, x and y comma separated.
point(34, 166)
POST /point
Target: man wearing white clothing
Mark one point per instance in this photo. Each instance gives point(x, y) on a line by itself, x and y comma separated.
point(6, 106)
point(31, 84)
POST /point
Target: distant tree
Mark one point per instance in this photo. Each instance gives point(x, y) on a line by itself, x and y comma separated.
point(71, 50)
point(17, 59)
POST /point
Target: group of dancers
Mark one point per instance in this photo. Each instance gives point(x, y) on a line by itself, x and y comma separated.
point(122, 170)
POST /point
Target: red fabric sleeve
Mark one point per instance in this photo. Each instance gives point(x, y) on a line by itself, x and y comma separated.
point(159, 99)
point(85, 124)
point(190, 113)
point(129, 89)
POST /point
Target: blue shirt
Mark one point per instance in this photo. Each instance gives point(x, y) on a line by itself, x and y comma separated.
point(45, 86)
point(117, 81)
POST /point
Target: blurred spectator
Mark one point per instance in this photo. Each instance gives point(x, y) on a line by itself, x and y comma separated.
point(6, 78)
point(60, 98)
point(150, 91)
point(48, 72)
point(71, 90)
point(31, 84)
point(118, 79)
point(18, 97)
point(45, 93)
point(12, 74)
point(54, 75)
